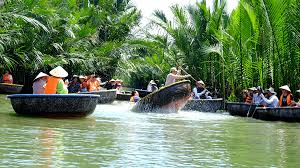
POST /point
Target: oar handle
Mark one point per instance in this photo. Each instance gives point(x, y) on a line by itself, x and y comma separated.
point(188, 74)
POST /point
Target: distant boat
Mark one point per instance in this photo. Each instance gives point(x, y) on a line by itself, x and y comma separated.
point(167, 99)
point(204, 105)
point(105, 96)
point(240, 109)
point(142, 92)
point(290, 114)
point(124, 96)
point(10, 88)
point(54, 105)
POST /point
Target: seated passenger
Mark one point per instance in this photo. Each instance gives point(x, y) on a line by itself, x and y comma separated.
point(39, 83)
point(244, 94)
point(111, 84)
point(118, 85)
point(55, 83)
point(83, 85)
point(135, 97)
point(272, 101)
point(93, 84)
point(298, 103)
point(74, 85)
point(152, 86)
point(286, 97)
point(249, 96)
point(7, 78)
point(200, 92)
point(257, 100)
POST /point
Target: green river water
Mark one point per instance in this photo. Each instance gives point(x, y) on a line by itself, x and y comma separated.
point(115, 137)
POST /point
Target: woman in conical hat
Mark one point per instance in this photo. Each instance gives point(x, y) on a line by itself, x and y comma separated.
point(83, 85)
point(286, 97)
point(55, 84)
point(39, 83)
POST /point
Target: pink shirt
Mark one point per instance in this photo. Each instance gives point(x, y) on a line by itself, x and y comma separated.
point(39, 86)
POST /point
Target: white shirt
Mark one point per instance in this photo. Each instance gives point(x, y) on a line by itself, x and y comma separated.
point(257, 99)
point(272, 101)
point(149, 88)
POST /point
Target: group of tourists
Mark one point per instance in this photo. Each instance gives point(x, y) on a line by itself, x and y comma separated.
point(268, 98)
point(55, 84)
point(114, 84)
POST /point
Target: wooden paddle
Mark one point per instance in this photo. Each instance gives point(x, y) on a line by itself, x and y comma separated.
point(188, 74)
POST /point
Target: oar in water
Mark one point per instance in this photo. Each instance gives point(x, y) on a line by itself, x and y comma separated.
point(250, 109)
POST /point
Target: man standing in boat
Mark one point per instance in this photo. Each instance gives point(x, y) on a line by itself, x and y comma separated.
point(173, 76)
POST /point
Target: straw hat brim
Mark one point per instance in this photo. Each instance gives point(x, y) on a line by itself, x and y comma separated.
point(253, 89)
point(201, 82)
point(285, 87)
point(40, 75)
point(273, 92)
point(59, 72)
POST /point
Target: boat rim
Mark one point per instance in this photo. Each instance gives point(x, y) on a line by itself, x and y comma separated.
point(8, 84)
point(53, 95)
point(165, 87)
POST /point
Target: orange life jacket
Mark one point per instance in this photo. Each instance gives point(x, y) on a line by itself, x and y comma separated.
point(288, 100)
point(248, 99)
point(51, 85)
point(93, 86)
point(7, 78)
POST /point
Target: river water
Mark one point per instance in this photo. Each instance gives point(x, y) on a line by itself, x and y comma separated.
point(115, 137)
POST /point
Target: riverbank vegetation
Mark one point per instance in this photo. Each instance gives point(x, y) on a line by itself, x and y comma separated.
point(83, 36)
point(256, 44)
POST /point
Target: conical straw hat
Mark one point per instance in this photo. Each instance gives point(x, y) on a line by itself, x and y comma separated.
point(285, 87)
point(271, 90)
point(41, 74)
point(59, 72)
point(82, 77)
point(252, 88)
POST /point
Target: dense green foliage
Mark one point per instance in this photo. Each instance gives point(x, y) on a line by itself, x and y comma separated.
point(84, 37)
point(256, 45)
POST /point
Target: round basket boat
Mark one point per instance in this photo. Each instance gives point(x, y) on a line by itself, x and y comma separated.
point(124, 96)
point(105, 96)
point(289, 114)
point(241, 109)
point(142, 92)
point(54, 105)
point(167, 99)
point(10, 88)
point(204, 105)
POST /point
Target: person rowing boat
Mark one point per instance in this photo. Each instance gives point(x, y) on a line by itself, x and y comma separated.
point(173, 76)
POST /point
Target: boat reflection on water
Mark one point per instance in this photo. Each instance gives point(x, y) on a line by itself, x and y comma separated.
point(48, 142)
